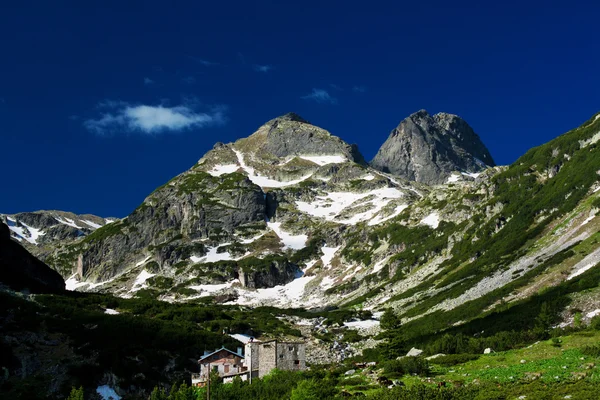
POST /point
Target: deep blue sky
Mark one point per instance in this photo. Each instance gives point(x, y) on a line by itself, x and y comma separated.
point(520, 73)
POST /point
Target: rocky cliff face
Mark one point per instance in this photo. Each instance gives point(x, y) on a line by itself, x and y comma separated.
point(428, 149)
point(21, 271)
point(41, 231)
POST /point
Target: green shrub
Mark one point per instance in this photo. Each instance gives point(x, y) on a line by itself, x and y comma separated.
point(454, 359)
point(592, 351)
point(406, 365)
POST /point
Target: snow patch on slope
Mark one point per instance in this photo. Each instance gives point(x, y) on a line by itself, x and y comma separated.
point(295, 242)
point(361, 325)
point(72, 283)
point(26, 232)
point(585, 264)
point(208, 290)
point(324, 160)
point(92, 224)
point(328, 254)
point(332, 204)
point(453, 178)
point(212, 255)
point(379, 219)
point(68, 221)
point(219, 170)
point(380, 264)
point(290, 294)
point(433, 220)
point(140, 281)
point(264, 181)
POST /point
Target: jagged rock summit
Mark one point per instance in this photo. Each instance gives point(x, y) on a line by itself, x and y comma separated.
point(427, 149)
point(291, 135)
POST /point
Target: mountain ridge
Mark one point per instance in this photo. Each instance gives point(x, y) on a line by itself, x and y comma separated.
point(251, 227)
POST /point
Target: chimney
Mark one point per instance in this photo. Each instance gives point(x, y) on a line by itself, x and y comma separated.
point(240, 351)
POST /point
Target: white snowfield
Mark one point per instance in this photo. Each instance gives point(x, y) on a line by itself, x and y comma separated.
point(68, 221)
point(252, 239)
point(327, 282)
point(73, 284)
point(110, 311)
point(213, 255)
point(144, 261)
point(324, 160)
point(433, 220)
point(291, 294)
point(140, 281)
point(472, 174)
point(332, 204)
point(92, 224)
point(588, 219)
point(206, 290)
point(380, 219)
point(328, 254)
point(592, 314)
point(295, 242)
point(585, 264)
point(32, 234)
point(380, 264)
point(453, 178)
point(360, 325)
point(25, 232)
point(219, 170)
point(264, 181)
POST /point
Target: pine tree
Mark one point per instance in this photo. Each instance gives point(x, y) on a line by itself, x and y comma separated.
point(389, 320)
point(158, 394)
point(76, 394)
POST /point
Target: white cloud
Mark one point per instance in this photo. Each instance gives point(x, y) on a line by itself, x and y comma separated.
point(263, 68)
point(359, 89)
point(204, 63)
point(151, 119)
point(148, 81)
point(320, 96)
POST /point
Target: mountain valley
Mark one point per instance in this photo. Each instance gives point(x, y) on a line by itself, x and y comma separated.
point(290, 232)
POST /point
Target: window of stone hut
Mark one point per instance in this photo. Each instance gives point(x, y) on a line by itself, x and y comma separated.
point(291, 348)
point(297, 362)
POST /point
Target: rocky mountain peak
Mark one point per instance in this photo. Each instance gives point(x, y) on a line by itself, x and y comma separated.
point(426, 148)
point(291, 116)
point(291, 135)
